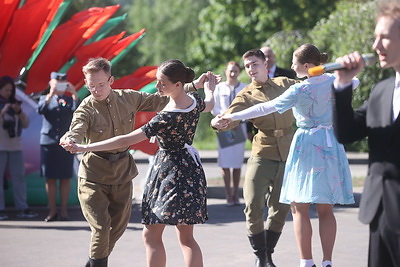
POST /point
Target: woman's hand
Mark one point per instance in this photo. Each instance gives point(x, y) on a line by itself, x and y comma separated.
point(199, 82)
point(210, 82)
point(72, 147)
point(227, 118)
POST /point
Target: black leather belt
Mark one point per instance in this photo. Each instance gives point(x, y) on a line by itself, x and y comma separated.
point(112, 156)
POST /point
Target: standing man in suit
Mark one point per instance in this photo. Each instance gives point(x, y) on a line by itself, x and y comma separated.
point(273, 69)
point(378, 119)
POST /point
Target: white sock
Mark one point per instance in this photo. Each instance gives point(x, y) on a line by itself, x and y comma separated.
point(325, 263)
point(306, 263)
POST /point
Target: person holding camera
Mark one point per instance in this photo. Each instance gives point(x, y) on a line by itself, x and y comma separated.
point(57, 108)
point(12, 121)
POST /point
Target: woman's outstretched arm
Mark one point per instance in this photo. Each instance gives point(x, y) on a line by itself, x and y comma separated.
point(116, 142)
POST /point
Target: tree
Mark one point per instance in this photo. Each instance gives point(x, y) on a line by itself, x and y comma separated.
point(171, 25)
point(228, 28)
point(351, 28)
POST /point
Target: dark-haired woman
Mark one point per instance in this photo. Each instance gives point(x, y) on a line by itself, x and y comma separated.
point(175, 192)
point(12, 121)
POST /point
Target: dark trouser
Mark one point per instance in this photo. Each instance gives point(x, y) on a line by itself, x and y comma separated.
point(263, 176)
point(384, 244)
point(107, 209)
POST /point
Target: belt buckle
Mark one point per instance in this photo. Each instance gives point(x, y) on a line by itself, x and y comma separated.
point(278, 133)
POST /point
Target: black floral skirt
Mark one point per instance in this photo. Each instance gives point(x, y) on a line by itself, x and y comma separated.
point(175, 191)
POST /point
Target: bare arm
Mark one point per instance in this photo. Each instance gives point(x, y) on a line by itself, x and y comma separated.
point(109, 144)
point(209, 87)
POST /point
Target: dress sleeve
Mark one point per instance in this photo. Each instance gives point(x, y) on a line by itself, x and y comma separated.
point(258, 110)
point(281, 104)
point(201, 105)
point(156, 124)
point(288, 99)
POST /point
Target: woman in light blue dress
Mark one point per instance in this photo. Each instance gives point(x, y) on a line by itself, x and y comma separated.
point(317, 169)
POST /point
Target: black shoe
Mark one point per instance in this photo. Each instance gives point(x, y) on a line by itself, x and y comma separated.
point(51, 218)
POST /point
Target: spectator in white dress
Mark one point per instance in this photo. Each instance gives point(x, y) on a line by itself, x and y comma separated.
point(231, 156)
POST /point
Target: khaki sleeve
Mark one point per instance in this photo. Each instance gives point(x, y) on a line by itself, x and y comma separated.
point(150, 102)
point(79, 126)
point(240, 103)
point(189, 87)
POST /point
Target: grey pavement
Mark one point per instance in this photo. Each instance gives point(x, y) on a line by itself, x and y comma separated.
point(223, 240)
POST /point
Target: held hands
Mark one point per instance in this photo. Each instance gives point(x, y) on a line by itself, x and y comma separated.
point(221, 121)
point(210, 82)
point(353, 64)
point(72, 147)
point(199, 82)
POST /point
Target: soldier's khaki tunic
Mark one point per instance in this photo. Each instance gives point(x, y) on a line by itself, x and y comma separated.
point(270, 149)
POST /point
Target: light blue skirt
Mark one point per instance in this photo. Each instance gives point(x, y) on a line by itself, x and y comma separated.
point(317, 170)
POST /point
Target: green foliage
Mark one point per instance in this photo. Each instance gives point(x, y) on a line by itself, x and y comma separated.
point(284, 43)
point(230, 28)
point(171, 25)
point(351, 28)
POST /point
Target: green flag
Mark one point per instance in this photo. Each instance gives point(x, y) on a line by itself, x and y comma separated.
point(53, 24)
point(106, 28)
point(118, 57)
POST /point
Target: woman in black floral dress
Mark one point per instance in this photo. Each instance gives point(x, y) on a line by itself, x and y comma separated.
point(175, 192)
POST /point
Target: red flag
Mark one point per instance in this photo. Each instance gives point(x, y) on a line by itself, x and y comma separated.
point(122, 44)
point(7, 8)
point(138, 79)
point(141, 119)
point(64, 42)
point(83, 54)
point(26, 29)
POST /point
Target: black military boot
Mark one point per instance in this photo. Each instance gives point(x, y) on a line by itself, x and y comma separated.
point(271, 238)
point(258, 244)
point(97, 262)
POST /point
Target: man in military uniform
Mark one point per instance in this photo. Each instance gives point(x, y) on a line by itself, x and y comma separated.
point(265, 167)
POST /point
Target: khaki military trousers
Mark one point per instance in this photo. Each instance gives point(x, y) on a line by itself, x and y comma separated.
point(107, 209)
point(262, 186)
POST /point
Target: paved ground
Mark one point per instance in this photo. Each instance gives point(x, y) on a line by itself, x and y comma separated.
point(223, 238)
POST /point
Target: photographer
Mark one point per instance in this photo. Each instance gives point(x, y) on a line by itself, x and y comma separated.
point(12, 121)
point(57, 108)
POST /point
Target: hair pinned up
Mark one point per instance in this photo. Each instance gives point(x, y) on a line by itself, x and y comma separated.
point(308, 53)
point(176, 71)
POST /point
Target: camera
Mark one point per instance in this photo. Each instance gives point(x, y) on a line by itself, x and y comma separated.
point(9, 125)
point(61, 77)
point(58, 76)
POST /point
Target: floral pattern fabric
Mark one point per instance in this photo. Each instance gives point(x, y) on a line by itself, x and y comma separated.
point(317, 169)
point(175, 192)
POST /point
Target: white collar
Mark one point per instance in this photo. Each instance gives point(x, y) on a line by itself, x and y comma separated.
point(271, 71)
